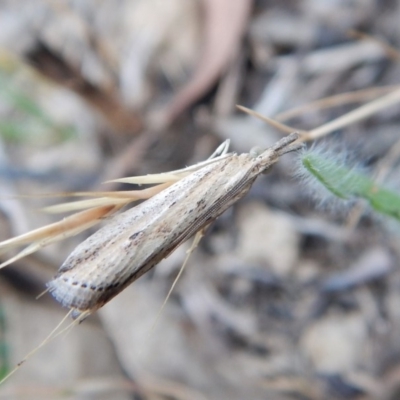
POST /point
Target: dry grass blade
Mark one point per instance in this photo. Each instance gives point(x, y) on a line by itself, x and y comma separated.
point(278, 125)
point(74, 224)
point(63, 229)
point(144, 180)
point(335, 101)
point(84, 204)
point(62, 226)
point(57, 331)
point(172, 176)
point(391, 51)
point(113, 198)
point(358, 114)
point(97, 208)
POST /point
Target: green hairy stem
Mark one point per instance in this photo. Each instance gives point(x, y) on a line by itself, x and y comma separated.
point(346, 183)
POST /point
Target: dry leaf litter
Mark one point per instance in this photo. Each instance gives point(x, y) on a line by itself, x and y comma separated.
point(282, 300)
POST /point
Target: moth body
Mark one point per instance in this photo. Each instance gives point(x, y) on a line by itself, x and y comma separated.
point(136, 240)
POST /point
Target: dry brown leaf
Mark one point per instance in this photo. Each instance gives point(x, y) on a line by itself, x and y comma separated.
point(225, 22)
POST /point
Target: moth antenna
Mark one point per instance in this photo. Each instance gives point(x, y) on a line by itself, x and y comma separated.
point(51, 336)
point(221, 150)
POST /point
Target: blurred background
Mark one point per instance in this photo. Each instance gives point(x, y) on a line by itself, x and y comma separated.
point(283, 299)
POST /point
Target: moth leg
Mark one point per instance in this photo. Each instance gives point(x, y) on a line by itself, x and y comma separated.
point(195, 243)
point(221, 150)
point(79, 315)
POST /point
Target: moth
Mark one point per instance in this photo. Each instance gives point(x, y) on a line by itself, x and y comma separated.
point(133, 242)
point(136, 240)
